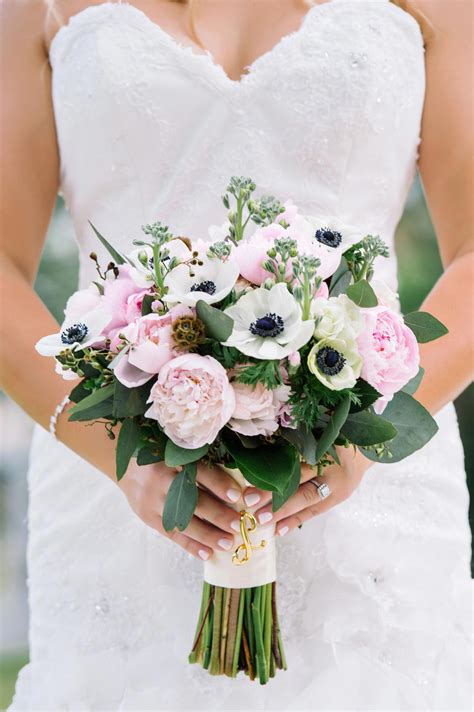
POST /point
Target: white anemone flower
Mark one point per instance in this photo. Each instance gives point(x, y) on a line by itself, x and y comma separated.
point(142, 259)
point(268, 323)
point(335, 362)
point(329, 231)
point(80, 334)
point(210, 281)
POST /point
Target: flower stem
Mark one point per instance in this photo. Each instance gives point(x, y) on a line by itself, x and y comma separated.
point(238, 632)
point(214, 664)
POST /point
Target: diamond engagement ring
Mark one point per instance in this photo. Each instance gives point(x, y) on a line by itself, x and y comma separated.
point(323, 489)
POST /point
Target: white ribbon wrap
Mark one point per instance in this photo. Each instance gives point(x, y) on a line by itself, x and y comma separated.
point(260, 569)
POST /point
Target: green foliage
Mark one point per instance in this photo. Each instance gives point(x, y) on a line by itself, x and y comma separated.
point(366, 395)
point(130, 401)
point(333, 428)
point(414, 426)
point(425, 326)
point(268, 467)
point(176, 455)
point(218, 325)
point(181, 499)
point(148, 456)
point(97, 404)
point(127, 441)
point(279, 499)
point(341, 279)
point(412, 386)
point(266, 372)
point(366, 428)
point(116, 256)
point(303, 440)
point(148, 300)
point(362, 294)
point(360, 257)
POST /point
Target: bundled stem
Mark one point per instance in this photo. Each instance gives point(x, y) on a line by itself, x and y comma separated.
point(238, 630)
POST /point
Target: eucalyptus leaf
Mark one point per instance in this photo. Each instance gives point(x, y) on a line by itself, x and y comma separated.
point(79, 392)
point(268, 467)
point(127, 441)
point(176, 455)
point(366, 428)
point(303, 440)
point(147, 456)
point(367, 394)
point(103, 409)
point(93, 399)
point(340, 272)
point(425, 326)
point(333, 428)
point(278, 500)
point(131, 401)
point(342, 284)
point(362, 294)
point(218, 325)
point(412, 386)
point(117, 257)
point(414, 424)
point(181, 500)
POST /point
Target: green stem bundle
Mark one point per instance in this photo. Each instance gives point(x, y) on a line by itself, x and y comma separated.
point(238, 629)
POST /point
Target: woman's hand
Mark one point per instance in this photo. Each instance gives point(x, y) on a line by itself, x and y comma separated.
point(214, 520)
point(306, 503)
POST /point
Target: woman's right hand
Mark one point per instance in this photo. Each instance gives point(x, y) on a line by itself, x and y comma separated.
point(214, 521)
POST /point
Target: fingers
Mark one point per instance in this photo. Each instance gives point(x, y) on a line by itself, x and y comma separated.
point(195, 548)
point(305, 498)
point(209, 535)
point(214, 511)
point(253, 497)
point(219, 483)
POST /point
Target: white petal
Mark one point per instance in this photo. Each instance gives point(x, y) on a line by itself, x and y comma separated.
point(51, 345)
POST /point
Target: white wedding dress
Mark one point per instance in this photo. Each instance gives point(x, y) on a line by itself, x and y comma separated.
point(374, 595)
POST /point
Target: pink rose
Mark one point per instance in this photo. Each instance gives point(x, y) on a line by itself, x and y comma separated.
point(251, 253)
point(151, 346)
point(389, 352)
point(192, 400)
point(257, 408)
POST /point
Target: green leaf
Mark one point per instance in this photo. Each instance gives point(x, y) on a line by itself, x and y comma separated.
point(367, 428)
point(147, 456)
point(333, 428)
point(303, 440)
point(266, 467)
point(148, 300)
point(100, 410)
point(181, 500)
point(117, 257)
point(127, 441)
point(176, 455)
point(333, 453)
point(100, 288)
point(367, 395)
point(362, 294)
point(131, 401)
point(415, 427)
point(341, 271)
point(79, 392)
point(412, 386)
point(425, 326)
point(278, 500)
point(94, 398)
point(218, 325)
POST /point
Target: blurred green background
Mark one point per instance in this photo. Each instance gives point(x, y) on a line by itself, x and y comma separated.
point(419, 268)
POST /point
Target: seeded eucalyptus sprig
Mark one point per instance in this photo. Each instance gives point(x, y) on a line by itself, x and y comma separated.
point(159, 236)
point(265, 210)
point(360, 257)
point(240, 188)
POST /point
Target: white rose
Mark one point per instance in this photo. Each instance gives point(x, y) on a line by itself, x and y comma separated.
point(335, 316)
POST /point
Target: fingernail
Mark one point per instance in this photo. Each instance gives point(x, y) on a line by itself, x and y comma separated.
point(225, 544)
point(251, 499)
point(233, 495)
point(235, 525)
point(203, 554)
point(265, 517)
point(283, 531)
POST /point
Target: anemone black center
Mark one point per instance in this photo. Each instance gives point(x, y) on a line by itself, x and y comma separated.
point(207, 286)
point(74, 334)
point(151, 263)
point(331, 238)
point(268, 325)
point(330, 361)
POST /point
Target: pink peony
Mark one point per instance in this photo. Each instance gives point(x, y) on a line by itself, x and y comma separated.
point(256, 408)
point(389, 351)
point(151, 346)
point(133, 308)
point(116, 295)
point(192, 400)
point(251, 253)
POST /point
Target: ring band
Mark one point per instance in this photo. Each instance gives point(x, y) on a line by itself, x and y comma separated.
point(323, 489)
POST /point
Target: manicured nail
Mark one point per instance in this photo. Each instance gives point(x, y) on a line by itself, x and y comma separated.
point(225, 544)
point(265, 517)
point(252, 499)
point(203, 554)
point(283, 531)
point(233, 495)
point(235, 525)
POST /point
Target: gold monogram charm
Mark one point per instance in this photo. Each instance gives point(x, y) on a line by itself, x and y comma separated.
point(248, 524)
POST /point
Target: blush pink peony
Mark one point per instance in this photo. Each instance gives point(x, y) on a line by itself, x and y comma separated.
point(389, 352)
point(192, 400)
point(257, 408)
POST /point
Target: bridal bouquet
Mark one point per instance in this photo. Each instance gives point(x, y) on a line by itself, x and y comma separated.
point(258, 349)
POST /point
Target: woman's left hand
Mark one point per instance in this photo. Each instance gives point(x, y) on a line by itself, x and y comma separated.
point(306, 503)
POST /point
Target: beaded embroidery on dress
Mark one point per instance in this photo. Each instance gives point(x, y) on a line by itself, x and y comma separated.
point(376, 592)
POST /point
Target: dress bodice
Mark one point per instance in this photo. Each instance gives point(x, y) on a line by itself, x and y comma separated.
point(151, 130)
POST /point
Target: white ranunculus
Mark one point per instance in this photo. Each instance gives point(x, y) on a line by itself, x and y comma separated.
point(336, 316)
point(335, 362)
point(268, 323)
point(211, 281)
point(142, 271)
point(80, 334)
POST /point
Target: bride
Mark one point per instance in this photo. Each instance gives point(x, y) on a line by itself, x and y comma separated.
point(141, 111)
